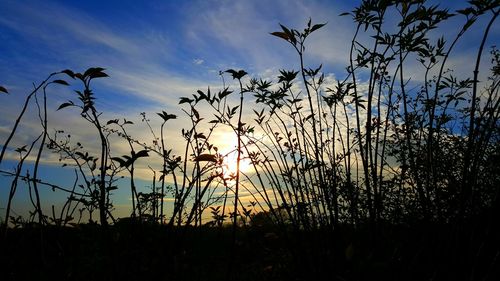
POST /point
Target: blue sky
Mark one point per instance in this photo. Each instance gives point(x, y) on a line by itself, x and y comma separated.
point(187, 40)
point(158, 51)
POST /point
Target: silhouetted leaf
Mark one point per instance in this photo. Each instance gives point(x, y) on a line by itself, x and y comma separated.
point(202, 95)
point(317, 26)
point(185, 100)
point(69, 73)
point(62, 82)
point(165, 116)
point(469, 23)
point(142, 153)
point(233, 110)
point(114, 121)
point(99, 75)
point(66, 104)
point(287, 76)
point(281, 35)
point(195, 112)
point(224, 93)
point(79, 76)
point(127, 160)
point(119, 160)
point(206, 157)
point(466, 11)
point(92, 70)
point(200, 136)
point(289, 34)
point(237, 74)
point(21, 149)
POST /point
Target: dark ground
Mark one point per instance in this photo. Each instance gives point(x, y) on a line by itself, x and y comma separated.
point(133, 251)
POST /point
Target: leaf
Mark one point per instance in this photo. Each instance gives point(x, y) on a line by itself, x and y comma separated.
point(185, 100)
point(119, 160)
point(237, 74)
point(2, 89)
point(466, 11)
point(202, 95)
point(309, 117)
point(195, 112)
point(66, 104)
point(21, 149)
point(206, 157)
point(114, 121)
point(91, 70)
point(287, 32)
point(91, 73)
point(317, 26)
point(69, 73)
point(224, 93)
point(233, 111)
point(130, 160)
point(99, 75)
point(282, 35)
point(62, 82)
point(200, 136)
point(142, 153)
point(79, 76)
point(232, 71)
point(469, 23)
point(165, 116)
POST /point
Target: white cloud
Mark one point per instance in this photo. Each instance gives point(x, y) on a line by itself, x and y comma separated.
point(198, 61)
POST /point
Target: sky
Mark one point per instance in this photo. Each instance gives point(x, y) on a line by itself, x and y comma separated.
point(158, 51)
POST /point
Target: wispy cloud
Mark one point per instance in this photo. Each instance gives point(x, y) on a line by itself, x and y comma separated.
point(198, 61)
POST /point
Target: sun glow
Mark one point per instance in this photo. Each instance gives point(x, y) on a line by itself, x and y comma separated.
point(228, 147)
point(230, 164)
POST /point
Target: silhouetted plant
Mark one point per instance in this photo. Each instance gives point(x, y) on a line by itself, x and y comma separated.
point(127, 162)
point(14, 184)
point(166, 162)
point(90, 113)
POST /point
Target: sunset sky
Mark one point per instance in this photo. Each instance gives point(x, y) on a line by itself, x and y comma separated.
point(158, 51)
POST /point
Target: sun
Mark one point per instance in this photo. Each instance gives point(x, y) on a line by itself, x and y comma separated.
point(228, 148)
point(230, 164)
